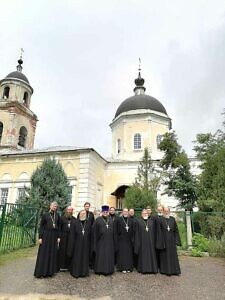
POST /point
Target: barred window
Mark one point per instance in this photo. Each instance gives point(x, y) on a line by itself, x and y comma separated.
point(20, 193)
point(4, 195)
point(137, 141)
point(158, 140)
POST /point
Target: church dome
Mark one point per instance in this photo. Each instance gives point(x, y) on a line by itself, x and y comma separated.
point(141, 101)
point(17, 75)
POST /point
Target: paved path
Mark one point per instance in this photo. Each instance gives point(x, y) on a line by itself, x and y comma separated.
point(202, 278)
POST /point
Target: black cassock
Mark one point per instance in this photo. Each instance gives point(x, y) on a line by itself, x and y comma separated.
point(169, 263)
point(103, 246)
point(66, 224)
point(124, 243)
point(79, 248)
point(47, 257)
point(144, 245)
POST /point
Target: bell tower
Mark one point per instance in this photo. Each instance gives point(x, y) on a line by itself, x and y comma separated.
point(17, 121)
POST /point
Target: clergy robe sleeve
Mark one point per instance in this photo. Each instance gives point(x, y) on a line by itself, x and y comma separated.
point(136, 238)
point(71, 239)
point(160, 242)
point(42, 226)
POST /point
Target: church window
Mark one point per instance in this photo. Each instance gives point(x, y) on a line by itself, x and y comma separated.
point(137, 141)
point(1, 130)
point(22, 136)
point(158, 140)
point(25, 99)
point(6, 92)
point(4, 195)
point(118, 146)
point(20, 193)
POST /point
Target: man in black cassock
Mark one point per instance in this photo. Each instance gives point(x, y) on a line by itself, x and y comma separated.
point(79, 246)
point(123, 227)
point(158, 232)
point(144, 244)
point(89, 214)
point(112, 213)
point(103, 243)
point(66, 223)
point(169, 263)
point(49, 237)
point(134, 219)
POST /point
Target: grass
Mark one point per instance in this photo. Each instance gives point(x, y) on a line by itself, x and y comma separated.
point(9, 256)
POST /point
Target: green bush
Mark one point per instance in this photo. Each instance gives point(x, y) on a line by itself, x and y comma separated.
point(183, 234)
point(196, 252)
point(200, 242)
point(217, 247)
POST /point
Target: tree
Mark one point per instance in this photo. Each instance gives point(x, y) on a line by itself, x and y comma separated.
point(179, 180)
point(144, 190)
point(210, 150)
point(48, 183)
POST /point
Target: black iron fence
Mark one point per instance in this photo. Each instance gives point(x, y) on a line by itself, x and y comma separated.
point(18, 226)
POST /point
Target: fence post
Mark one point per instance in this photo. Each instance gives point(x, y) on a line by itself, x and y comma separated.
point(189, 230)
point(2, 221)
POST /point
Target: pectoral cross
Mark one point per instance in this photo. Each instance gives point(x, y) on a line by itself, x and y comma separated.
point(83, 231)
point(146, 228)
point(107, 226)
point(53, 225)
point(127, 228)
point(168, 228)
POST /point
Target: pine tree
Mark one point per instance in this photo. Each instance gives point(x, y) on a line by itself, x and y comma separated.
point(144, 190)
point(48, 183)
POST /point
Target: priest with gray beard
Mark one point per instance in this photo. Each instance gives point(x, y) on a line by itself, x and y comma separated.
point(144, 244)
point(169, 263)
point(79, 246)
point(103, 243)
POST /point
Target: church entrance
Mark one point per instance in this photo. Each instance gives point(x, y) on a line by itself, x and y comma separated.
point(119, 193)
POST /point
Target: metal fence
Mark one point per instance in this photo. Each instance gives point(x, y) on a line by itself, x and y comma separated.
point(210, 224)
point(18, 226)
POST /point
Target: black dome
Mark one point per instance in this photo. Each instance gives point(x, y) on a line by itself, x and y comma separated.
point(18, 75)
point(140, 102)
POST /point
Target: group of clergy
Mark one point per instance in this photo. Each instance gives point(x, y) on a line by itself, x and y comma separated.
point(148, 243)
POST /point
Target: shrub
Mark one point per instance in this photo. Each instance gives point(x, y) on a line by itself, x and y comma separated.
point(200, 242)
point(217, 247)
point(196, 252)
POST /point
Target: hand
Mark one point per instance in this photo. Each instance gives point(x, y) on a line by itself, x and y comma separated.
point(58, 240)
point(40, 241)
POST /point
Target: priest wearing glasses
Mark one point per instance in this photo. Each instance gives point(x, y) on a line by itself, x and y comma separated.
point(103, 243)
point(49, 238)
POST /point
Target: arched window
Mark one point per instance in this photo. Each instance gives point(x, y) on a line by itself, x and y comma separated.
point(158, 140)
point(118, 146)
point(22, 136)
point(25, 99)
point(137, 141)
point(6, 92)
point(1, 130)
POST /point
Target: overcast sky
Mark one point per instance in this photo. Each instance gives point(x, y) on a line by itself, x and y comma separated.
point(81, 58)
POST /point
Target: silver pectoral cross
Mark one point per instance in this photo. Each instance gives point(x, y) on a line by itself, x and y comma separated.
point(127, 228)
point(146, 228)
point(53, 225)
point(107, 226)
point(83, 231)
point(168, 228)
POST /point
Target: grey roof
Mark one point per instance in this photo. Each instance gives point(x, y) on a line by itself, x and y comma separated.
point(18, 75)
point(140, 102)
